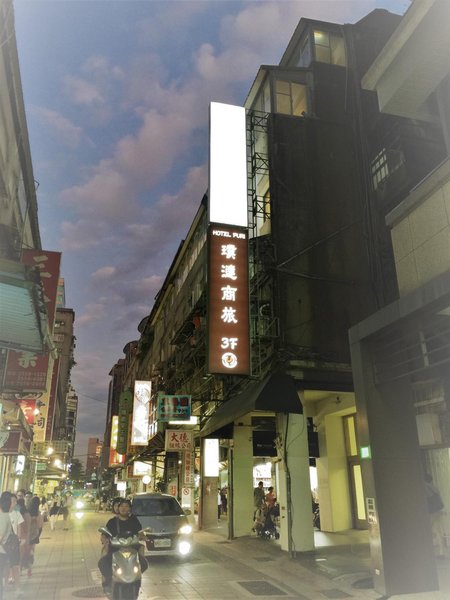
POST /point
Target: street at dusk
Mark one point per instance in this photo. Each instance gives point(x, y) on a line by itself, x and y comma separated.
point(225, 299)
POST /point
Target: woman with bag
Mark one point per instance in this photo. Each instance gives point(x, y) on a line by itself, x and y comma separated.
point(14, 551)
point(24, 534)
point(36, 524)
point(5, 532)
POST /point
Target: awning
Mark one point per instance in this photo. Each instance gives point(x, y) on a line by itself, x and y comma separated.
point(276, 393)
point(23, 325)
point(155, 445)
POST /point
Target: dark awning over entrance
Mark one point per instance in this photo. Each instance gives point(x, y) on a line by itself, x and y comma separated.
point(276, 393)
point(155, 446)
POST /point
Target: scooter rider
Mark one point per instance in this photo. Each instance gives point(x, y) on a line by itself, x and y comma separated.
point(124, 524)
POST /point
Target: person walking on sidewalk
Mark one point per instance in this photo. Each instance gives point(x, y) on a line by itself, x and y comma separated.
point(36, 524)
point(5, 531)
point(258, 497)
point(14, 555)
point(53, 513)
point(24, 534)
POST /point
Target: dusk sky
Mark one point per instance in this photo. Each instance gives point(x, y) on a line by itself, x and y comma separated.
point(116, 96)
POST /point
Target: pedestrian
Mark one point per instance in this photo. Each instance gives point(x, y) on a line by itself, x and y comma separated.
point(5, 531)
point(67, 509)
point(435, 508)
point(36, 523)
point(270, 497)
point(43, 508)
point(24, 534)
point(224, 500)
point(28, 497)
point(219, 505)
point(14, 553)
point(258, 497)
point(53, 513)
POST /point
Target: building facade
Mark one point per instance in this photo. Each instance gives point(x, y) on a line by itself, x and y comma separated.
point(330, 171)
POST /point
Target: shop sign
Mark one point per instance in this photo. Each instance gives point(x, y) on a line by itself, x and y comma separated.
point(10, 442)
point(141, 468)
point(115, 458)
point(178, 440)
point(27, 371)
point(228, 301)
point(188, 464)
point(141, 412)
point(125, 409)
point(173, 408)
point(114, 432)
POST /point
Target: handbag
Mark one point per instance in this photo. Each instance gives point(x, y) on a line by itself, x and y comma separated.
point(12, 544)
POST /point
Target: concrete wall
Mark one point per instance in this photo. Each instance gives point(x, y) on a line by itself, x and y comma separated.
point(421, 240)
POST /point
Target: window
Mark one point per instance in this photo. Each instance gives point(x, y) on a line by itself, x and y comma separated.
point(329, 48)
point(304, 60)
point(385, 163)
point(291, 98)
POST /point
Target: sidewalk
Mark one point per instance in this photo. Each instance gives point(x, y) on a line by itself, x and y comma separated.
point(66, 568)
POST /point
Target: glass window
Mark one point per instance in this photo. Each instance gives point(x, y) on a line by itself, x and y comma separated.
point(152, 507)
point(304, 59)
point(291, 98)
point(329, 48)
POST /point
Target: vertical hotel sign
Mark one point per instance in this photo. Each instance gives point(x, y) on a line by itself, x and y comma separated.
point(228, 299)
point(228, 305)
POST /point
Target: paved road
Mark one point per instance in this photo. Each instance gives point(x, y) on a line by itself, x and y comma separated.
point(248, 568)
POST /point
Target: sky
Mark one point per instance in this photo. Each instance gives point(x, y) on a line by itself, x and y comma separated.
point(117, 95)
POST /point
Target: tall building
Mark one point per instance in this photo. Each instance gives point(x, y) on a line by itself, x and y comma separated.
point(94, 454)
point(333, 163)
point(400, 354)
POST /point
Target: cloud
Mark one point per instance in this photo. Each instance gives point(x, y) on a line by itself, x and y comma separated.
point(81, 91)
point(104, 273)
point(68, 133)
point(93, 312)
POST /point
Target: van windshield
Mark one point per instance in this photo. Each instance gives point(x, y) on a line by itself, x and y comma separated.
point(154, 507)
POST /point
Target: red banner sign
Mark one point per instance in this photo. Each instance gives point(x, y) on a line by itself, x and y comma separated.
point(27, 371)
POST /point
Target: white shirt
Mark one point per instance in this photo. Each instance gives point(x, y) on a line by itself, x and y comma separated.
point(16, 520)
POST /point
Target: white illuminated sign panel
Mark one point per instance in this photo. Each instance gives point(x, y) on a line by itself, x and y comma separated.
point(227, 165)
point(114, 431)
point(228, 301)
point(211, 458)
point(141, 411)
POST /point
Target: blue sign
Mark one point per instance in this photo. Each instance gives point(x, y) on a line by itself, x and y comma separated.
point(173, 408)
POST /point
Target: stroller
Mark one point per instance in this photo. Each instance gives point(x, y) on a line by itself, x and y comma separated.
point(265, 522)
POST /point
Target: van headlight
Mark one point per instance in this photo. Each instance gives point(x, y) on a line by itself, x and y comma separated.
point(185, 530)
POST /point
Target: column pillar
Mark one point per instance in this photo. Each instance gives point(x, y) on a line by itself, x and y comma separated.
point(241, 494)
point(296, 526)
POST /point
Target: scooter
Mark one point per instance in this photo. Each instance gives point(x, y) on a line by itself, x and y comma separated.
point(126, 566)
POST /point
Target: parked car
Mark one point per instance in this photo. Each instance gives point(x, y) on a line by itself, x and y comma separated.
point(167, 530)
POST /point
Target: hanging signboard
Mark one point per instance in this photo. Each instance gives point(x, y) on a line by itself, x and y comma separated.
point(228, 301)
point(173, 408)
point(141, 412)
point(178, 440)
point(125, 409)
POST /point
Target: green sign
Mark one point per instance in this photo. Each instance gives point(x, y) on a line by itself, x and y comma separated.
point(364, 452)
point(125, 409)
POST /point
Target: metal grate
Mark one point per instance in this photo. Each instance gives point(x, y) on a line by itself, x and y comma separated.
point(91, 592)
point(335, 594)
point(261, 588)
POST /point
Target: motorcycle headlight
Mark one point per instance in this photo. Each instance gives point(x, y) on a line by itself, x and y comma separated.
point(119, 571)
point(79, 504)
point(185, 530)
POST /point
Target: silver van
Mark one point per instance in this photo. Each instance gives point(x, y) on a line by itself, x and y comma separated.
point(167, 530)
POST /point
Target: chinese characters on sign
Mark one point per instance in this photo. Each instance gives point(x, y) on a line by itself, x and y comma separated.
point(27, 371)
point(228, 309)
point(174, 408)
point(178, 439)
point(188, 469)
